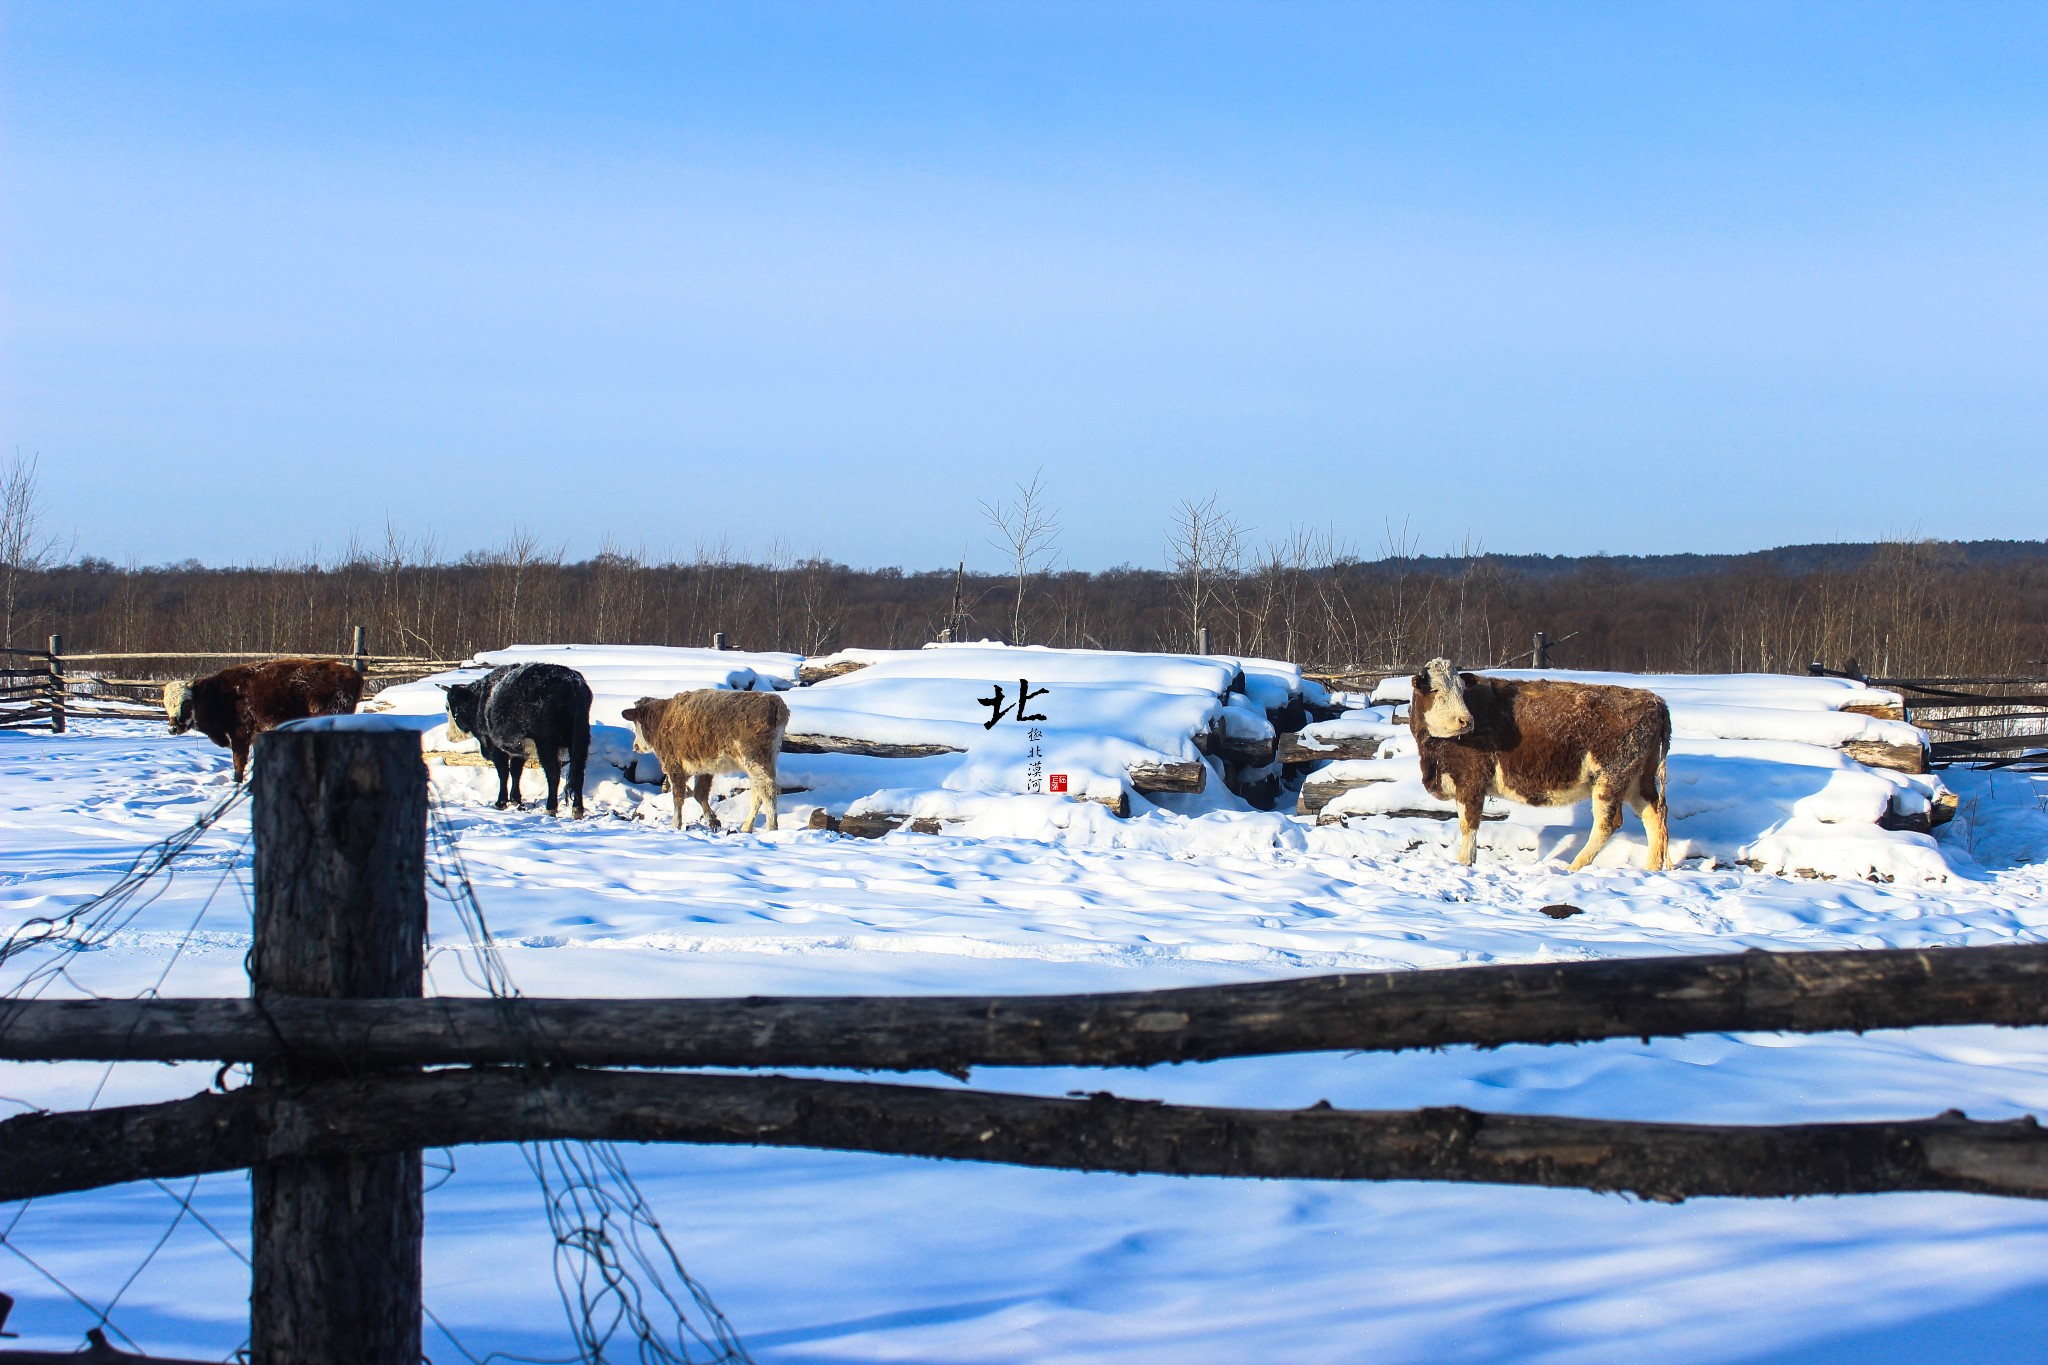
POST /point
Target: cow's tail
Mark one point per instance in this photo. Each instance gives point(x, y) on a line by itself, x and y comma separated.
point(1662, 795)
point(1657, 811)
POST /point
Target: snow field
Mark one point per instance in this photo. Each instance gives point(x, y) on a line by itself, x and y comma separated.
point(838, 1257)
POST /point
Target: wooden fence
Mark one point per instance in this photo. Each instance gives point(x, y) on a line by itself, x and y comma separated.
point(1984, 722)
point(342, 1100)
point(47, 688)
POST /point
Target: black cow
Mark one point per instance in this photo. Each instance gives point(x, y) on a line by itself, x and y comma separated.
point(545, 705)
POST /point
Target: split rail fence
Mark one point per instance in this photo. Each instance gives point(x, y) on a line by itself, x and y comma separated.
point(354, 1073)
point(47, 688)
point(1983, 722)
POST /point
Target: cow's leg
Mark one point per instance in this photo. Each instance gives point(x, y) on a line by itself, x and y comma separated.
point(238, 745)
point(551, 768)
point(1606, 820)
point(1649, 800)
point(701, 788)
point(678, 791)
point(1470, 810)
point(761, 794)
point(579, 751)
point(504, 779)
point(774, 785)
point(515, 766)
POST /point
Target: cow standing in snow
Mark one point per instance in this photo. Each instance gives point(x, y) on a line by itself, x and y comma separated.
point(546, 706)
point(238, 703)
point(696, 735)
point(1542, 743)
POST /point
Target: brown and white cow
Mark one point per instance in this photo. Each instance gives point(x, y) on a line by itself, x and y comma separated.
point(237, 704)
point(698, 734)
point(1542, 743)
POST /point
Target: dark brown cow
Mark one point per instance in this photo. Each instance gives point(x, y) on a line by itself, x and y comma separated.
point(237, 704)
point(1542, 743)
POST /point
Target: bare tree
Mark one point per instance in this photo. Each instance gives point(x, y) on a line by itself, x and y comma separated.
point(25, 547)
point(1204, 546)
point(1026, 529)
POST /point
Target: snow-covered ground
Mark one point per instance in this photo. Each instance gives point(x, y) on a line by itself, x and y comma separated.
point(831, 1257)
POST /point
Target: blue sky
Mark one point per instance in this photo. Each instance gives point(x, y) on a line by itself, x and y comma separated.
point(1553, 278)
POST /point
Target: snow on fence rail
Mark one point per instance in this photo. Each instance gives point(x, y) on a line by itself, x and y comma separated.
point(337, 1112)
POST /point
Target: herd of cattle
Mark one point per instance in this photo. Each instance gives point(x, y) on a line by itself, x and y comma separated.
point(1538, 742)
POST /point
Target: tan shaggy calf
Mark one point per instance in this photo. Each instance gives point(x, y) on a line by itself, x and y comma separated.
point(701, 734)
point(1542, 743)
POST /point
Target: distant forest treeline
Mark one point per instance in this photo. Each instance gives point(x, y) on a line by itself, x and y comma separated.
point(1901, 608)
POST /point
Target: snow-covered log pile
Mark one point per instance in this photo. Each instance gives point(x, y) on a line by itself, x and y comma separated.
point(948, 732)
point(1787, 774)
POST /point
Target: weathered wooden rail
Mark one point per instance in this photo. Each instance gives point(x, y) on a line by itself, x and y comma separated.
point(59, 687)
point(1491, 1006)
point(354, 1074)
point(1967, 707)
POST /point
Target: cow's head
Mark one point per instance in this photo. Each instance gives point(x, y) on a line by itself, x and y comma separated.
point(463, 701)
point(1438, 700)
point(178, 706)
point(640, 715)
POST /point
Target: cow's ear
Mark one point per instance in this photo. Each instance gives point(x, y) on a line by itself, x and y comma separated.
point(630, 713)
point(1419, 683)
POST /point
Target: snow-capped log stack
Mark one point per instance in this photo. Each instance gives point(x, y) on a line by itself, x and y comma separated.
point(1790, 774)
point(961, 726)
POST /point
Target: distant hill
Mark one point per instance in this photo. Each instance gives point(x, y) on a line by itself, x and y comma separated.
point(1787, 559)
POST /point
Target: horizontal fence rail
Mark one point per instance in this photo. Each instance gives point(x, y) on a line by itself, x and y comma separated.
point(1557, 1002)
point(1961, 706)
point(63, 686)
point(45, 1154)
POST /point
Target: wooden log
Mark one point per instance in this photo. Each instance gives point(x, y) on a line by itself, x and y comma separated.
point(340, 819)
point(808, 674)
point(1119, 805)
point(1328, 817)
point(1294, 749)
point(1877, 753)
point(1318, 792)
point(1249, 753)
point(1191, 775)
point(1490, 1006)
point(42, 1154)
point(1940, 810)
point(1878, 710)
point(870, 824)
point(840, 744)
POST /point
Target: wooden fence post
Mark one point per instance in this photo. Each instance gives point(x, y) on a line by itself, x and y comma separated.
point(56, 685)
point(341, 912)
point(1542, 650)
point(361, 649)
point(718, 639)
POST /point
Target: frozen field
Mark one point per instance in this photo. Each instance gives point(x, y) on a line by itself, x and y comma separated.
point(825, 1257)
